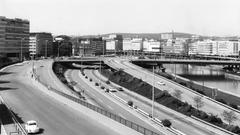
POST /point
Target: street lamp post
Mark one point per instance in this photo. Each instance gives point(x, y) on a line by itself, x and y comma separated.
point(46, 42)
point(59, 48)
point(21, 49)
point(153, 92)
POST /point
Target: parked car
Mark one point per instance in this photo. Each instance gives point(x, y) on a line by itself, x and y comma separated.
point(31, 127)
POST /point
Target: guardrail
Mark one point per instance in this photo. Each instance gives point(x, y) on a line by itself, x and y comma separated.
point(217, 102)
point(18, 126)
point(224, 130)
point(115, 117)
point(233, 109)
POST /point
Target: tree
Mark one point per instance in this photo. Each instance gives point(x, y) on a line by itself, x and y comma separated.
point(177, 94)
point(166, 123)
point(198, 102)
point(229, 116)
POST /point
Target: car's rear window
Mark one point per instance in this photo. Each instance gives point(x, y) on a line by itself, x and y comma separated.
point(31, 124)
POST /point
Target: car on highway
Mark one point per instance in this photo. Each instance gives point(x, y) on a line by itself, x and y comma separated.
point(120, 89)
point(112, 90)
point(161, 83)
point(31, 126)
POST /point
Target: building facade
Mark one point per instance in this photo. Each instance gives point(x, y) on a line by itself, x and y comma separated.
point(114, 43)
point(89, 46)
point(62, 46)
point(151, 46)
point(41, 44)
point(219, 47)
point(14, 37)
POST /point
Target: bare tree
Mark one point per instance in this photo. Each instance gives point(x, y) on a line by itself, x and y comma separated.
point(177, 94)
point(229, 116)
point(198, 102)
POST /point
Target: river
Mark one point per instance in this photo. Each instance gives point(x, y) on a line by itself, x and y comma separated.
point(212, 76)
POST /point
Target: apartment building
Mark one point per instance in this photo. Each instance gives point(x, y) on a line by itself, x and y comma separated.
point(14, 37)
point(41, 44)
point(114, 43)
point(219, 47)
point(89, 46)
point(151, 46)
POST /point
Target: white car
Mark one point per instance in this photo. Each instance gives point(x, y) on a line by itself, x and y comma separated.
point(112, 90)
point(31, 127)
point(161, 83)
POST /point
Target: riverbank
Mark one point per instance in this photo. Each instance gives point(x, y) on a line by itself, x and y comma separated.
point(220, 95)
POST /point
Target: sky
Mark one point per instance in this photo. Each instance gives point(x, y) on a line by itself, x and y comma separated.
point(92, 17)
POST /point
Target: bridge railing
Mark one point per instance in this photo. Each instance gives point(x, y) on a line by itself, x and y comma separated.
point(19, 128)
point(110, 115)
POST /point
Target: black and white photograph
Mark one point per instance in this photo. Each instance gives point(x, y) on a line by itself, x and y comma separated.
point(120, 67)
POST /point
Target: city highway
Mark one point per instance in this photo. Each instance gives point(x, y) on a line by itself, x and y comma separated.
point(183, 124)
point(54, 118)
point(109, 103)
point(99, 99)
point(145, 75)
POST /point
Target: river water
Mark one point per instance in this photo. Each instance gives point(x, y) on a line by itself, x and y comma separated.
point(212, 76)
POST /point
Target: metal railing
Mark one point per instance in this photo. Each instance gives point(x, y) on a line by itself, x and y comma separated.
point(115, 117)
point(19, 128)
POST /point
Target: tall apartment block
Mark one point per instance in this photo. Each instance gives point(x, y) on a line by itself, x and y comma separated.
point(14, 37)
point(41, 44)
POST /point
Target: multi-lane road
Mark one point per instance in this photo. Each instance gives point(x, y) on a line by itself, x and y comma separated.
point(53, 117)
point(187, 95)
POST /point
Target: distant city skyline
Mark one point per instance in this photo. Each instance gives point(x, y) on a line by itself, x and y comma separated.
point(92, 17)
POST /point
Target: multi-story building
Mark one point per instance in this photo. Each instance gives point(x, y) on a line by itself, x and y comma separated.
point(41, 44)
point(14, 37)
point(127, 44)
point(114, 43)
point(89, 46)
point(62, 46)
point(219, 47)
point(151, 46)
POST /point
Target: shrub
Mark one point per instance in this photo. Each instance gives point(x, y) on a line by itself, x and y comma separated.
point(130, 103)
point(107, 82)
point(96, 84)
point(102, 87)
point(166, 123)
point(201, 92)
point(222, 101)
point(86, 77)
point(234, 106)
point(90, 79)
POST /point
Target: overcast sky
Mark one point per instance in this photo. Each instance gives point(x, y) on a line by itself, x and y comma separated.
point(81, 17)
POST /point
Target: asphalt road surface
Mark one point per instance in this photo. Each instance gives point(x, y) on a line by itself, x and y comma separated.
point(53, 117)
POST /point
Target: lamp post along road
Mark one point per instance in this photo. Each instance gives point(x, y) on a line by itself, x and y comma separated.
point(21, 52)
point(153, 92)
point(46, 41)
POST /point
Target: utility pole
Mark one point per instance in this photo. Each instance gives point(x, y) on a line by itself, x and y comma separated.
point(153, 92)
point(46, 42)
